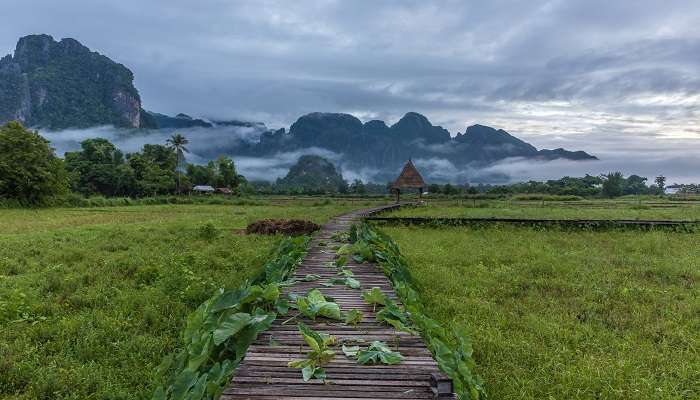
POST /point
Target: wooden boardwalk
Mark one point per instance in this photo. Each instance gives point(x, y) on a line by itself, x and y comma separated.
point(264, 373)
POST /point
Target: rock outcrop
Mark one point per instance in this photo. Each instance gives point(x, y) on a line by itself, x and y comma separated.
point(57, 85)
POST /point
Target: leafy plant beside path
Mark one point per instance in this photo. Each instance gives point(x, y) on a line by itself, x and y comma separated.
point(219, 332)
point(452, 349)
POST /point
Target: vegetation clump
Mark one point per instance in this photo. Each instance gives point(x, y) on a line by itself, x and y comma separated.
point(30, 172)
point(220, 331)
point(452, 349)
point(320, 354)
point(282, 226)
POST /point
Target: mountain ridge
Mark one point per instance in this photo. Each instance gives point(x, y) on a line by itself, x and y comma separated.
point(62, 84)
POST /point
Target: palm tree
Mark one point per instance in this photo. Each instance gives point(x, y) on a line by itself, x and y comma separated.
point(178, 142)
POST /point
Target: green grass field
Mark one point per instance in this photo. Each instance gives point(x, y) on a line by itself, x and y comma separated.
point(567, 315)
point(91, 299)
point(588, 209)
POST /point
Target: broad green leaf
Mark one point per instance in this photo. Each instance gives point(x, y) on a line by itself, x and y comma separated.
point(252, 295)
point(326, 356)
point(198, 352)
point(353, 317)
point(378, 352)
point(352, 283)
point(344, 249)
point(183, 382)
point(308, 372)
point(315, 296)
point(231, 325)
point(330, 310)
point(311, 277)
point(228, 299)
point(341, 261)
point(320, 373)
point(390, 358)
point(312, 338)
point(159, 394)
point(346, 272)
point(271, 292)
point(374, 296)
point(197, 391)
point(282, 306)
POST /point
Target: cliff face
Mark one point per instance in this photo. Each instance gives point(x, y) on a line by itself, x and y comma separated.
point(58, 85)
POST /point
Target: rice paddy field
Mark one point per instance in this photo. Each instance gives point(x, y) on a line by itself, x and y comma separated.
point(583, 209)
point(556, 314)
point(91, 299)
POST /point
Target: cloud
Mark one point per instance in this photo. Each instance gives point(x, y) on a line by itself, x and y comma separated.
point(205, 143)
point(457, 61)
point(552, 71)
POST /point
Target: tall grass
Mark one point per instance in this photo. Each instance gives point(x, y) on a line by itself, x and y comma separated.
point(567, 315)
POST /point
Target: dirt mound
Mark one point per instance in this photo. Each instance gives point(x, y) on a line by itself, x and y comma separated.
point(283, 226)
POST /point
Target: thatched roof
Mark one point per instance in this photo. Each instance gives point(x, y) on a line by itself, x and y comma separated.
point(409, 178)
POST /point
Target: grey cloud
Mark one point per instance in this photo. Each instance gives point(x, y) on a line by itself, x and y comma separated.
point(542, 68)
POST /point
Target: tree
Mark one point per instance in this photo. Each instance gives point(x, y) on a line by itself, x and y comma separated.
point(660, 182)
point(434, 188)
point(96, 168)
point(153, 170)
point(29, 169)
point(201, 174)
point(178, 142)
point(635, 184)
point(613, 184)
point(227, 176)
point(358, 187)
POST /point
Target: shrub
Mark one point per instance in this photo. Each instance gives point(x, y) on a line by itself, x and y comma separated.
point(207, 231)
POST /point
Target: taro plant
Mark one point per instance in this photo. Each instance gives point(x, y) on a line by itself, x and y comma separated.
point(376, 353)
point(346, 278)
point(393, 315)
point(374, 297)
point(320, 354)
point(315, 304)
point(353, 317)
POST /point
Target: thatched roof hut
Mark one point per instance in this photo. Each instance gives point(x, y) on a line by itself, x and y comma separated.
point(409, 178)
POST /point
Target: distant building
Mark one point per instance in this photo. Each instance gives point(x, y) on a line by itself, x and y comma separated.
point(224, 190)
point(671, 190)
point(203, 189)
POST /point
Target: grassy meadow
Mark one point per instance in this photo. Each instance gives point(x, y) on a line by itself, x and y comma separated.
point(567, 315)
point(91, 299)
point(585, 209)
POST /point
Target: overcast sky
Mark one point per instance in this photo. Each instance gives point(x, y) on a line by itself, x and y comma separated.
point(602, 75)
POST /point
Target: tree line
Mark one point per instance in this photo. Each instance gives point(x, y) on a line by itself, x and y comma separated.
point(613, 184)
point(31, 173)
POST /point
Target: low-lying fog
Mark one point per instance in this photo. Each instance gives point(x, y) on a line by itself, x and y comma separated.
point(676, 158)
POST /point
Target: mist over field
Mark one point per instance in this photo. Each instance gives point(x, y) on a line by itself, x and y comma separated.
point(645, 155)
